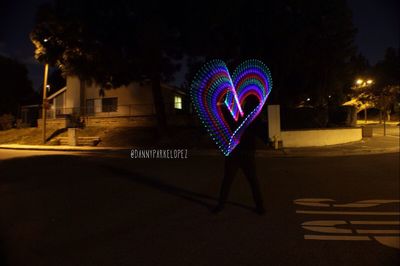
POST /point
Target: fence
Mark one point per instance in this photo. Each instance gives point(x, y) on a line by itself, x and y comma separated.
point(103, 111)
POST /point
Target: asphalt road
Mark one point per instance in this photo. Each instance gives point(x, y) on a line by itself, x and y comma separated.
point(64, 209)
point(10, 154)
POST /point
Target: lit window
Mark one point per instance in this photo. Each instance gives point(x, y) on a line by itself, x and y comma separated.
point(178, 102)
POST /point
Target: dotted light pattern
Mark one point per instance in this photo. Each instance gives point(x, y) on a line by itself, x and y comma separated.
point(213, 87)
point(252, 77)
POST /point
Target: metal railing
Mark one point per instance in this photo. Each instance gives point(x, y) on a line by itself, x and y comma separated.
point(103, 111)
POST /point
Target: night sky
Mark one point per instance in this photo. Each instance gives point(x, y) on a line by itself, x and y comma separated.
point(377, 22)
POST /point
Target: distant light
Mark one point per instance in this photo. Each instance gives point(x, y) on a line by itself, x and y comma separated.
point(45, 40)
point(308, 99)
point(369, 81)
point(329, 96)
point(359, 81)
point(48, 87)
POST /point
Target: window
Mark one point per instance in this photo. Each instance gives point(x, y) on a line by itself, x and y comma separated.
point(59, 103)
point(90, 106)
point(178, 102)
point(109, 104)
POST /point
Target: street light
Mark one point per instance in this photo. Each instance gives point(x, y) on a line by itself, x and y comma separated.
point(361, 83)
point(44, 104)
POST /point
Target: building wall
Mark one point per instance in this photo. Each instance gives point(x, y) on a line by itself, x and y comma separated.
point(320, 137)
point(72, 96)
point(134, 99)
point(122, 121)
point(54, 123)
point(134, 93)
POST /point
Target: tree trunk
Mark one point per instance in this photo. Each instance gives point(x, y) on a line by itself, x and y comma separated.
point(82, 94)
point(384, 125)
point(365, 115)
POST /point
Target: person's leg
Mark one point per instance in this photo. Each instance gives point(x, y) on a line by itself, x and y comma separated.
point(249, 169)
point(230, 169)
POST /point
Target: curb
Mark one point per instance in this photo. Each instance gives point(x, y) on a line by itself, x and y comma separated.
point(342, 153)
point(63, 148)
point(292, 153)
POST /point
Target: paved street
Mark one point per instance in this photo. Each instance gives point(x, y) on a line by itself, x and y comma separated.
point(10, 154)
point(66, 209)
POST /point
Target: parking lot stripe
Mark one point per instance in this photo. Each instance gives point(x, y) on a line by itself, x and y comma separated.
point(348, 213)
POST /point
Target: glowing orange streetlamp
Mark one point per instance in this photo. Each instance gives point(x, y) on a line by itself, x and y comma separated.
point(44, 104)
point(362, 83)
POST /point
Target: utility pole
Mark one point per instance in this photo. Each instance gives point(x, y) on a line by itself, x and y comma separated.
point(44, 104)
point(365, 114)
point(384, 121)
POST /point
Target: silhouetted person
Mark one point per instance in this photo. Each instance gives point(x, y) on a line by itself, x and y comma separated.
point(243, 157)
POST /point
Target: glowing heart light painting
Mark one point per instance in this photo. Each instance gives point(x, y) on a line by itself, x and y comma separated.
point(213, 88)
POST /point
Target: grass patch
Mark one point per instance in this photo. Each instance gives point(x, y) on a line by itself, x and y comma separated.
point(144, 137)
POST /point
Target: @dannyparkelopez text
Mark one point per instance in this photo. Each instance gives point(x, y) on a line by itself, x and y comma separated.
point(159, 154)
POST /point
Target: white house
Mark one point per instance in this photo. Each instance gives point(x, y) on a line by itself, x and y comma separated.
point(125, 105)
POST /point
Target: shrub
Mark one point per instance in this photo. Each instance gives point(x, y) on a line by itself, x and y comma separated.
point(342, 116)
point(6, 121)
point(303, 117)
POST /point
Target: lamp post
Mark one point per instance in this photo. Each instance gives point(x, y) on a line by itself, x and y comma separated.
point(361, 83)
point(44, 104)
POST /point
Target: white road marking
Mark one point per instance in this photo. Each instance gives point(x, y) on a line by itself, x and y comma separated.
point(365, 203)
point(347, 213)
point(327, 229)
point(323, 202)
point(324, 222)
point(390, 241)
point(314, 199)
point(330, 227)
point(335, 237)
point(377, 231)
point(313, 202)
point(376, 222)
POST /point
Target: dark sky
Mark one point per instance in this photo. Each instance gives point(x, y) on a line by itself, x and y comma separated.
point(17, 18)
point(378, 25)
point(377, 21)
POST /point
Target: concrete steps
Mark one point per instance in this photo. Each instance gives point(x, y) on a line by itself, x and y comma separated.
point(81, 141)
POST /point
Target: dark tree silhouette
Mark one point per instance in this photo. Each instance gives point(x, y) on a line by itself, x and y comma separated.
point(111, 43)
point(384, 92)
point(387, 71)
point(15, 88)
point(307, 44)
point(386, 89)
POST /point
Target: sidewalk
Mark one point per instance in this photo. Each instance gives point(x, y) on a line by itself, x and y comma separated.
point(62, 148)
point(374, 145)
